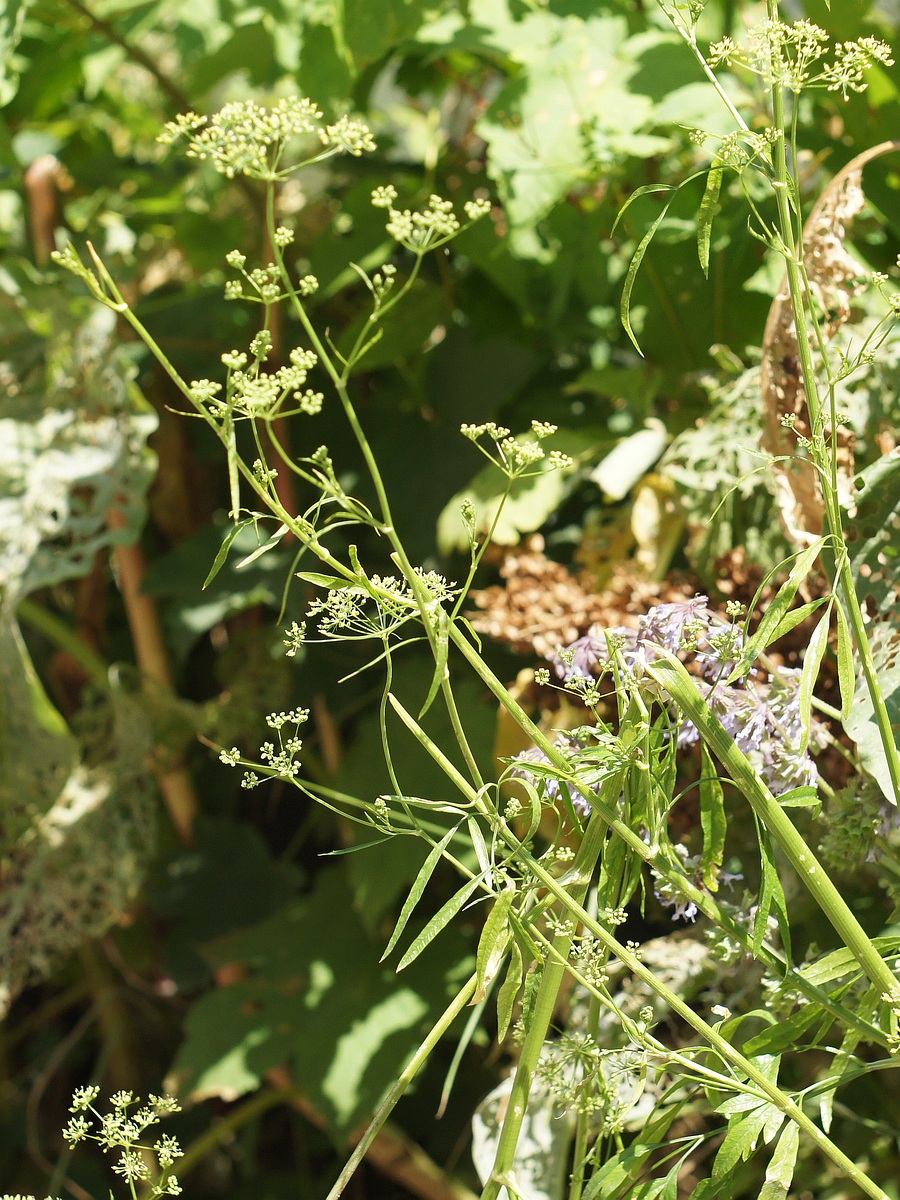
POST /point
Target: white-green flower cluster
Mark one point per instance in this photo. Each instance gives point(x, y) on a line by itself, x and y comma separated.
point(791, 55)
point(244, 138)
point(434, 226)
point(252, 393)
point(123, 1130)
point(281, 760)
point(516, 456)
point(377, 609)
point(294, 637)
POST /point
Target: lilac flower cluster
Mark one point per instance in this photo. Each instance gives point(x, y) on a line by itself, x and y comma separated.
point(764, 719)
point(683, 625)
point(766, 724)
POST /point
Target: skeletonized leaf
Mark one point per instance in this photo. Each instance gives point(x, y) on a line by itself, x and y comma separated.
point(810, 673)
point(712, 821)
point(492, 945)
point(708, 206)
point(438, 922)
point(419, 884)
point(778, 609)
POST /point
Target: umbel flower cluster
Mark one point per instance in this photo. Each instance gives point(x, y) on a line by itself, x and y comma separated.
point(792, 56)
point(125, 1131)
point(244, 138)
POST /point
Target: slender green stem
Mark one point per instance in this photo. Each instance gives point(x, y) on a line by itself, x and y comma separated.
point(674, 679)
point(64, 636)
point(222, 1130)
point(846, 584)
point(552, 976)
point(560, 889)
point(713, 1038)
point(690, 39)
point(400, 1086)
point(703, 900)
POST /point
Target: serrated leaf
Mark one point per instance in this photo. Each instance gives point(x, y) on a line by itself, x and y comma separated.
point(418, 887)
point(713, 821)
point(492, 945)
point(770, 626)
point(438, 922)
point(771, 900)
point(846, 669)
point(843, 962)
point(780, 1172)
point(812, 664)
point(741, 1138)
point(785, 1034)
point(707, 212)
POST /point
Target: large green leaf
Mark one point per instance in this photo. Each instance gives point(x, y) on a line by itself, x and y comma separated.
point(567, 115)
point(313, 997)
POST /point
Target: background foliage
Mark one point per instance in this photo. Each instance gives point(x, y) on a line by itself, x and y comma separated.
point(216, 940)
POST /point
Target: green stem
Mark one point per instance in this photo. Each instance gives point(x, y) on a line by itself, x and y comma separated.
point(63, 635)
point(671, 675)
point(844, 576)
point(554, 971)
point(399, 1087)
point(576, 911)
point(703, 900)
point(237, 1118)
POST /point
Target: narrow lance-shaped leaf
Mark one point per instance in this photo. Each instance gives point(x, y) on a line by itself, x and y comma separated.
point(479, 845)
point(492, 945)
point(227, 541)
point(634, 267)
point(708, 206)
point(712, 821)
point(438, 922)
point(267, 545)
point(509, 989)
point(812, 664)
point(846, 671)
point(768, 627)
point(418, 887)
point(771, 899)
point(780, 1172)
point(440, 644)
